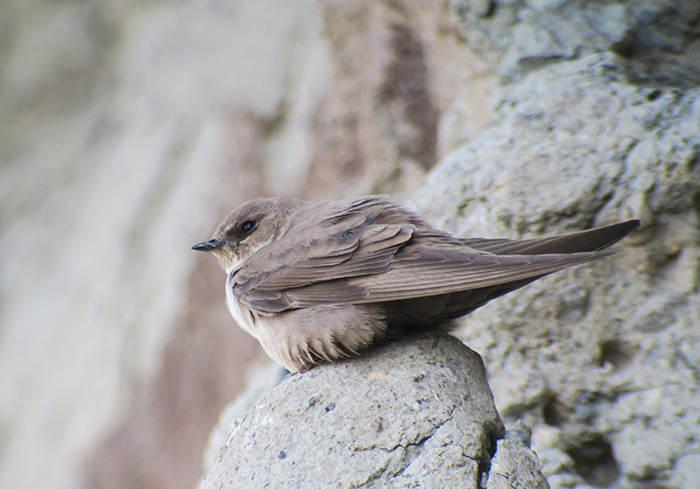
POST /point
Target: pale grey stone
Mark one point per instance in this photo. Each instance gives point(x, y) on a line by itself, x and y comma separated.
point(517, 37)
point(232, 415)
point(614, 343)
point(415, 413)
point(515, 466)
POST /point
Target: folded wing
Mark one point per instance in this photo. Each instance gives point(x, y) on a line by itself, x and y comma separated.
point(357, 260)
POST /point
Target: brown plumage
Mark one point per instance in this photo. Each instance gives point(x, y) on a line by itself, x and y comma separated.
point(320, 281)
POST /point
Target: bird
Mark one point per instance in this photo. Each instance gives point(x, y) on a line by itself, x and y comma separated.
point(322, 281)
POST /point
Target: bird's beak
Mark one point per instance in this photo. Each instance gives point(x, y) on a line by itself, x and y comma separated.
point(211, 245)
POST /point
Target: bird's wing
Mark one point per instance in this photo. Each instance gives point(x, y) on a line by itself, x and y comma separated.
point(353, 261)
point(424, 272)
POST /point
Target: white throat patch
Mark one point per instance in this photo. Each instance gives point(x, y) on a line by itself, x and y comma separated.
point(234, 308)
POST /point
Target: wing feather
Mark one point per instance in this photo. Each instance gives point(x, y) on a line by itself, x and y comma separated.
point(589, 240)
point(423, 278)
point(371, 250)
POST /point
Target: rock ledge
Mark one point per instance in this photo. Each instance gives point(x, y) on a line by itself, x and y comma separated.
point(415, 413)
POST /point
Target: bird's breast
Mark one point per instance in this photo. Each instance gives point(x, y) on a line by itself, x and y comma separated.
point(243, 317)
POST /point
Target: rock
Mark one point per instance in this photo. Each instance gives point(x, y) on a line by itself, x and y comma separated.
point(659, 38)
point(604, 358)
point(515, 466)
point(231, 416)
point(417, 412)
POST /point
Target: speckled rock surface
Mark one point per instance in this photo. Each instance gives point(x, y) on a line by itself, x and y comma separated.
point(417, 413)
point(601, 360)
point(520, 36)
point(515, 465)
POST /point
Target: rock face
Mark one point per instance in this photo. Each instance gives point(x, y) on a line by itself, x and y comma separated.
point(658, 38)
point(606, 372)
point(128, 131)
point(415, 413)
point(515, 465)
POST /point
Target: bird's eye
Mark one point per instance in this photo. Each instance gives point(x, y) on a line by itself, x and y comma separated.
point(248, 226)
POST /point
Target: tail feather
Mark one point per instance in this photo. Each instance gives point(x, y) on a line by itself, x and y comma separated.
point(583, 241)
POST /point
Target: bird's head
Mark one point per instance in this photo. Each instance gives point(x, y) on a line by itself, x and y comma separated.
point(248, 229)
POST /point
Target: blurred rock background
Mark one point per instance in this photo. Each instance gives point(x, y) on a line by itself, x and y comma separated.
point(128, 130)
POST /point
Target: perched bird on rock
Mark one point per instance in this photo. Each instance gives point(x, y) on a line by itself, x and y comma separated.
point(321, 281)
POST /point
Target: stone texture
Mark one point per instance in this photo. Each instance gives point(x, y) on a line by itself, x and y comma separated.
point(415, 413)
point(660, 38)
point(514, 464)
point(257, 386)
point(599, 359)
